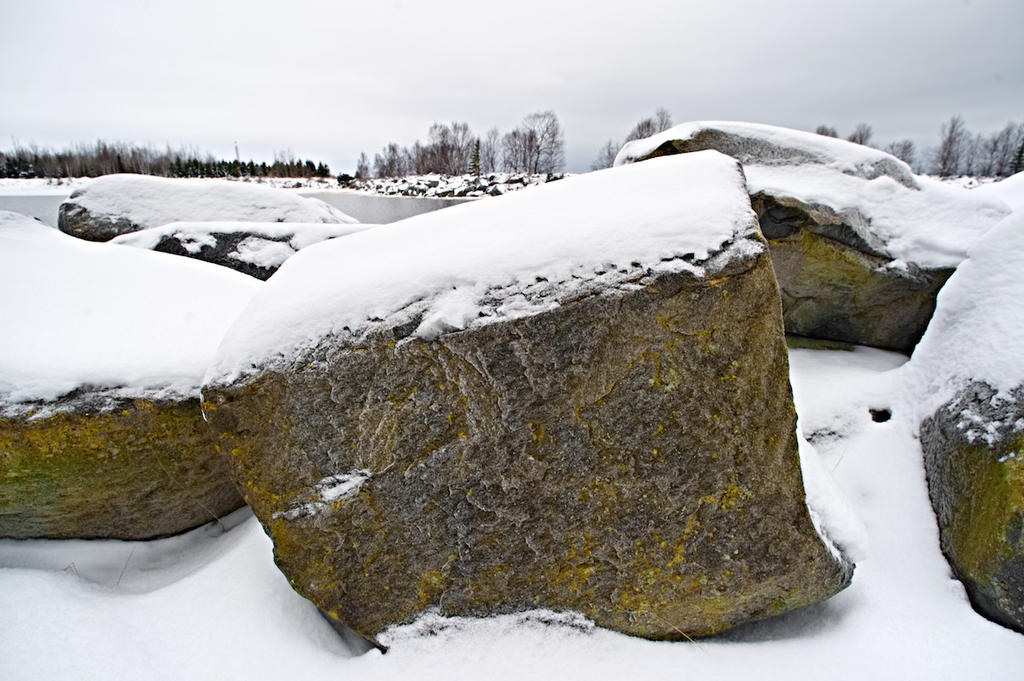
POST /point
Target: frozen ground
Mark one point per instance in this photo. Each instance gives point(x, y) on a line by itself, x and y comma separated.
point(210, 604)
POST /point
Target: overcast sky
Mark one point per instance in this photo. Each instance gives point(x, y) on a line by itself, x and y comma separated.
point(330, 79)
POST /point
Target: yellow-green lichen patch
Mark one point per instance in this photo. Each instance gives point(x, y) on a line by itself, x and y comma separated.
point(590, 458)
point(985, 525)
point(138, 470)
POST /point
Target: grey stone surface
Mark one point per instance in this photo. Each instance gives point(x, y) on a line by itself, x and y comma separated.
point(629, 454)
point(836, 286)
point(974, 459)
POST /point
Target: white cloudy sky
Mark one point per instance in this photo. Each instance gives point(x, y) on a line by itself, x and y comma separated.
point(331, 78)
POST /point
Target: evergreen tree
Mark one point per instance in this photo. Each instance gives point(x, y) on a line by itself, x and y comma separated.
point(474, 164)
point(1018, 163)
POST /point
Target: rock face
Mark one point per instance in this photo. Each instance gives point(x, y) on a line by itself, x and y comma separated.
point(848, 228)
point(93, 466)
point(835, 286)
point(624, 448)
point(254, 248)
point(974, 456)
point(121, 204)
point(966, 379)
point(101, 434)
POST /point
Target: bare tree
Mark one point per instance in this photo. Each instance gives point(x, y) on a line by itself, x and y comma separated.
point(515, 153)
point(996, 152)
point(391, 162)
point(972, 156)
point(952, 139)
point(417, 159)
point(605, 157)
point(285, 156)
point(861, 134)
point(827, 131)
point(363, 166)
point(490, 151)
point(536, 146)
point(464, 144)
point(662, 119)
point(905, 150)
point(450, 148)
point(652, 125)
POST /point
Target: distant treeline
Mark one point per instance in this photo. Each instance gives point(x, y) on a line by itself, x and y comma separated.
point(106, 158)
point(960, 152)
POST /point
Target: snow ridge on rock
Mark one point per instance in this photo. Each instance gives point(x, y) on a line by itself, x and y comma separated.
point(119, 204)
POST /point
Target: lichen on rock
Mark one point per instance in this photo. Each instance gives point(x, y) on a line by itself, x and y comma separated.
point(966, 381)
point(101, 435)
point(835, 286)
point(102, 466)
point(974, 457)
point(626, 448)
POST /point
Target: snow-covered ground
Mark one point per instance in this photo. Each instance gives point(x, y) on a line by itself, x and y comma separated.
point(210, 604)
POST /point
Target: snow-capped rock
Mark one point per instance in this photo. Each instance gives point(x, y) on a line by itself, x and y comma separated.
point(572, 398)
point(860, 244)
point(101, 357)
point(120, 204)
point(966, 381)
point(254, 248)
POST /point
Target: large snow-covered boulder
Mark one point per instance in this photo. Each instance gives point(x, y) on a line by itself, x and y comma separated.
point(120, 204)
point(254, 248)
point(859, 243)
point(573, 398)
point(967, 376)
point(102, 352)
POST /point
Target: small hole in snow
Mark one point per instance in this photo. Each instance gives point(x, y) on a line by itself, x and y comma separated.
point(880, 415)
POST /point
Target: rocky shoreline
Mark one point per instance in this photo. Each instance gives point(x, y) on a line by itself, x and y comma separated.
point(451, 186)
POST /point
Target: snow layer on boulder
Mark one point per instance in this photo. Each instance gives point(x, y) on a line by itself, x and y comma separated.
point(80, 314)
point(772, 145)
point(269, 244)
point(902, 216)
point(1010, 191)
point(439, 268)
point(977, 333)
point(153, 201)
point(932, 226)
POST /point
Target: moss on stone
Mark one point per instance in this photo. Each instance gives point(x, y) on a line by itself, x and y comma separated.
point(832, 290)
point(974, 459)
point(630, 455)
point(134, 469)
point(978, 493)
